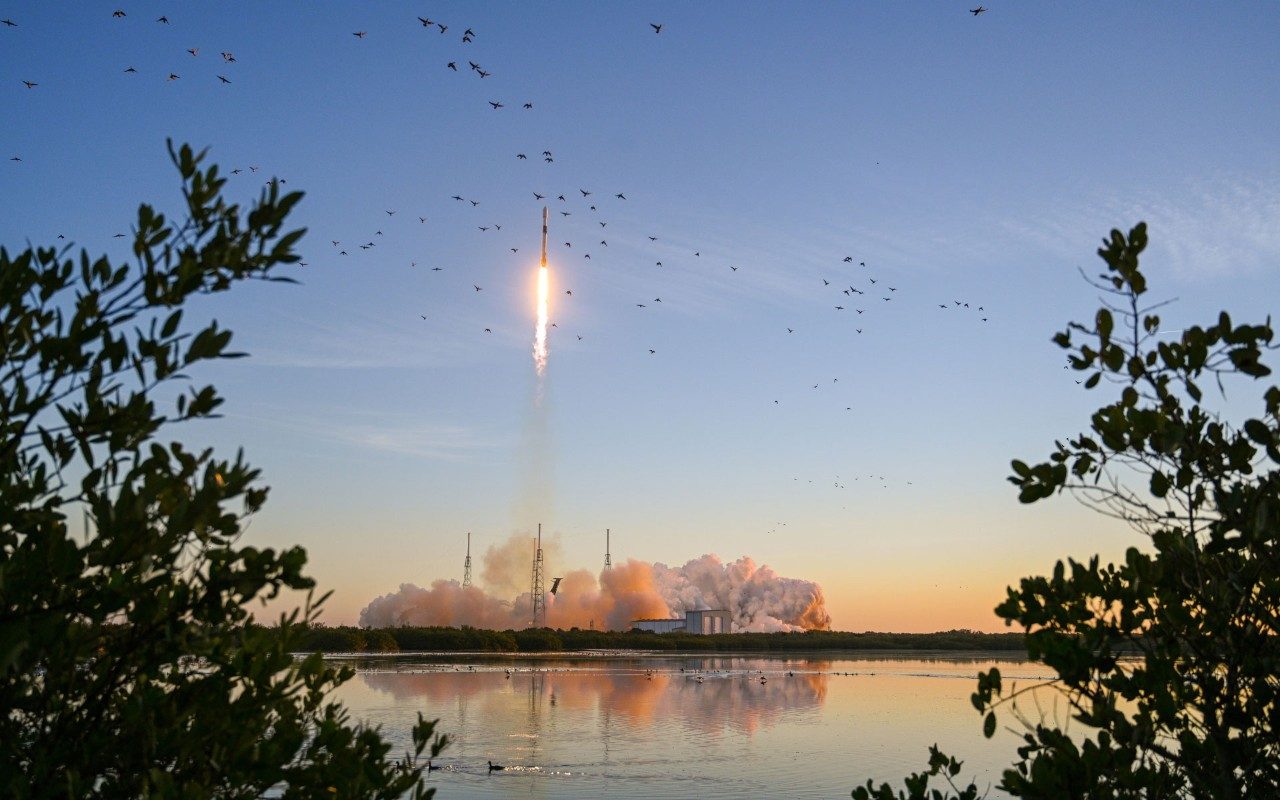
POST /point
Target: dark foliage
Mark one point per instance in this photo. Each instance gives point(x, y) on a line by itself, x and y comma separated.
point(127, 667)
point(1195, 713)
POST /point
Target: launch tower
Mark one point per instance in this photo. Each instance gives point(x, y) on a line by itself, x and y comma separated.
point(539, 590)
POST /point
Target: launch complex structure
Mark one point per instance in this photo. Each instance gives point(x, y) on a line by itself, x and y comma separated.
point(538, 578)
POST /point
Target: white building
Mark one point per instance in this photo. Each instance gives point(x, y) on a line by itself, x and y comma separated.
point(700, 622)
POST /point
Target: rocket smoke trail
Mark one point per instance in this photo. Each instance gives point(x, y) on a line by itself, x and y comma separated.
point(544, 292)
point(758, 598)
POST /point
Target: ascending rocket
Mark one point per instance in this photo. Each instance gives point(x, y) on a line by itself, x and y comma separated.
point(544, 298)
point(544, 236)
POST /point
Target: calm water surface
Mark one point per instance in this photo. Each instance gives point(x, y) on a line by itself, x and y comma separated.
point(684, 726)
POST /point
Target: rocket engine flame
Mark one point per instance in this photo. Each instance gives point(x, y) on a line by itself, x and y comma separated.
point(544, 295)
point(540, 334)
point(758, 598)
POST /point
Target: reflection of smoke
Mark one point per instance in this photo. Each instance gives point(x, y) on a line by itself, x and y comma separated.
point(737, 701)
point(757, 598)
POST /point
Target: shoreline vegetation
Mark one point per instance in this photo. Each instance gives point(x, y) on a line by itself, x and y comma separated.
point(350, 639)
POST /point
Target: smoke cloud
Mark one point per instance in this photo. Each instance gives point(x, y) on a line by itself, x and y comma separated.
point(758, 598)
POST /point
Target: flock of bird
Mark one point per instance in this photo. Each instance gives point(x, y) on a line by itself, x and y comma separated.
point(849, 286)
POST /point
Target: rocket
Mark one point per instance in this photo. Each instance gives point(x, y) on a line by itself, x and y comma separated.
point(544, 236)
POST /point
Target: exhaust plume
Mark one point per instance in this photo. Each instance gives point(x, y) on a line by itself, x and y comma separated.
point(758, 599)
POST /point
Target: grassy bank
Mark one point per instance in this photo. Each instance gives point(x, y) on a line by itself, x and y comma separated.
point(542, 640)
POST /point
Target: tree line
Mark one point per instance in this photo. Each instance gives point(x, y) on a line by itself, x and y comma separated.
point(349, 639)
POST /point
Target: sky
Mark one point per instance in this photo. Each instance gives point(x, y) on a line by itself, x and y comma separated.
point(970, 159)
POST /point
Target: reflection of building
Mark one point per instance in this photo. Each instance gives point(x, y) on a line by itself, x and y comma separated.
point(706, 621)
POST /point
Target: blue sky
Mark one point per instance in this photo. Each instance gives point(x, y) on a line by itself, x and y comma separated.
point(962, 158)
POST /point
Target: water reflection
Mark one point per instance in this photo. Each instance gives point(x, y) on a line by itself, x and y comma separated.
point(706, 696)
point(662, 726)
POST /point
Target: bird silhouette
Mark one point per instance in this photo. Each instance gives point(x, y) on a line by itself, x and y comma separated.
point(453, 65)
point(227, 57)
point(173, 77)
point(30, 84)
point(118, 14)
point(224, 79)
point(977, 11)
point(8, 23)
point(131, 69)
point(442, 28)
point(431, 767)
point(360, 34)
point(195, 51)
point(528, 105)
point(848, 259)
point(426, 23)
point(657, 28)
point(620, 196)
point(496, 105)
point(495, 767)
point(477, 288)
point(539, 196)
point(585, 193)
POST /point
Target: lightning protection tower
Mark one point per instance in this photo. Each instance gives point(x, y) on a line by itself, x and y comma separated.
point(608, 563)
point(466, 565)
point(539, 591)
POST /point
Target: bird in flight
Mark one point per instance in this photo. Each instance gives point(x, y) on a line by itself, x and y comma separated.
point(391, 213)
point(657, 28)
point(652, 352)
point(453, 65)
point(791, 330)
point(977, 11)
point(163, 20)
point(456, 197)
point(521, 156)
point(426, 23)
point(585, 193)
point(528, 105)
point(194, 51)
point(15, 158)
point(9, 23)
point(477, 288)
point(848, 259)
point(496, 105)
point(360, 34)
point(539, 196)
point(442, 28)
point(29, 84)
point(483, 74)
point(173, 76)
point(118, 14)
point(224, 79)
point(227, 57)
point(620, 196)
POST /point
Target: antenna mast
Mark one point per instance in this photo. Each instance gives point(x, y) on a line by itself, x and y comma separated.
point(466, 569)
point(608, 563)
point(539, 588)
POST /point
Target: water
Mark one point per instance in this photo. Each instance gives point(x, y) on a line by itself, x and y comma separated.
point(585, 726)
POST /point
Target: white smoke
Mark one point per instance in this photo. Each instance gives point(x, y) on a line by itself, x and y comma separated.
point(757, 598)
